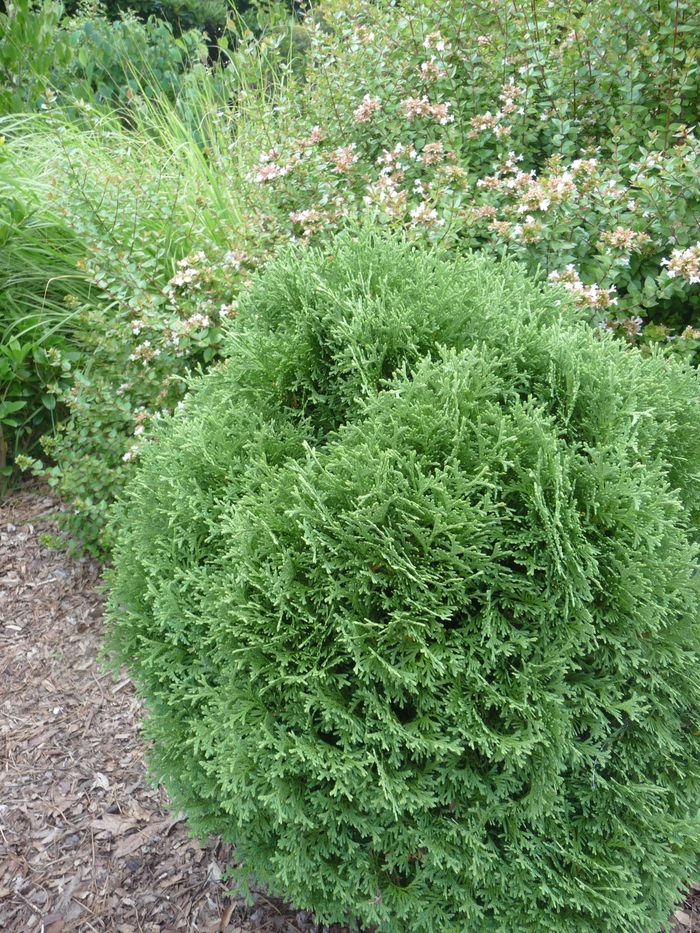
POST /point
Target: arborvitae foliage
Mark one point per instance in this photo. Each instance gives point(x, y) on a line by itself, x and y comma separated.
point(409, 587)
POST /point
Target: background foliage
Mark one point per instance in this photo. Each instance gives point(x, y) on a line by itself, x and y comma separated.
point(537, 131)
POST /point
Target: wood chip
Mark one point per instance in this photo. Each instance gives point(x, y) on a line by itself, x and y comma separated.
point(121, 685)
point(55, 927)
point(130, 844)
point(114, 824)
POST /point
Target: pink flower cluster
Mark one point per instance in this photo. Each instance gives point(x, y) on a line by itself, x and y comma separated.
point(315, 137)
point(188, 274)
point(391, 160)
point(684, 263)
point(268, 172)
point(144, 352)
point(452, 174)
point(432, 154)
point(502, 228)
point(369, 105)
point(533, 194)
point(344, 158)
point(421, 107)
point(541, 194)
point(426, 216)
point(195, 322)
point(435, 40)
point(502, 180)
point(586, 174)
point(386, 195)
point(528, 232)
point(431, 71)
point(175, 330)
point(583, 167)
point(492, 122)
point(592, 296)
point(509, 93)
point(268, 169)
point(234, 259)
point(484, 121)
point(310, 221)
point(485, 212)
point(625, 238)
point(632, 326)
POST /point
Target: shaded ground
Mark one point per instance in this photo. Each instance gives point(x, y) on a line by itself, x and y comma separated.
point(86, 844)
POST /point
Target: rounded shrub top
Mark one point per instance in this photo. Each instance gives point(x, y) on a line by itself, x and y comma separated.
point(409, 587)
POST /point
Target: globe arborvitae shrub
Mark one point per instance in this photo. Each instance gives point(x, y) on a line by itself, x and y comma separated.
point(409, 587)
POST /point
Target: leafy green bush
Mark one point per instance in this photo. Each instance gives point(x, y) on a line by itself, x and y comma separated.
point(99, 55)
point(116, 61)
point(409, 585)
point(186, 15)
point(31, 47)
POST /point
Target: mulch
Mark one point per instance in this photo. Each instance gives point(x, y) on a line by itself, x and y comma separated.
point(86, 842)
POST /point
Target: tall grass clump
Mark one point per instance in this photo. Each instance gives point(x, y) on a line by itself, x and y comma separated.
point(148, 214)
point(409, 586)
point(40, 285)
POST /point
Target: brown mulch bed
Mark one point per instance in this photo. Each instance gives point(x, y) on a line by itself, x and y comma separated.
point(86, 843)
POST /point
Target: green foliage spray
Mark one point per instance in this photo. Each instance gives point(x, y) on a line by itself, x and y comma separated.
point(408, 584)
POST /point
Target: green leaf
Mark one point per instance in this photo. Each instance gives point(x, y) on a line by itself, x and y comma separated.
point(7, 408)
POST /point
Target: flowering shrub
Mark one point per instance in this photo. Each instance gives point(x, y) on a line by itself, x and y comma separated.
point(152, 351)
point(409, 585)
point(509, 131)
point(685, 264)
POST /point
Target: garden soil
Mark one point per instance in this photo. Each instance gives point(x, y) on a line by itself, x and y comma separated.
point(86, 842)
